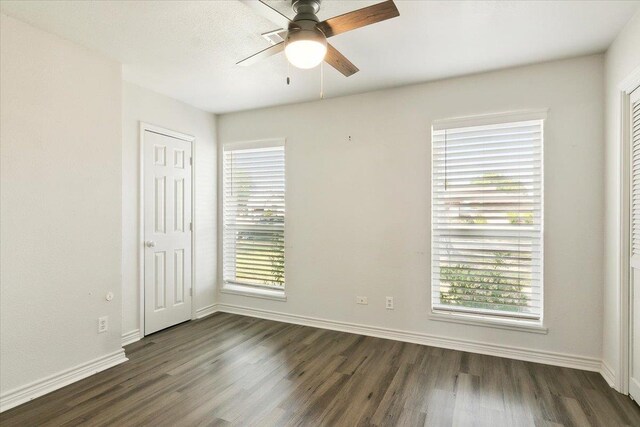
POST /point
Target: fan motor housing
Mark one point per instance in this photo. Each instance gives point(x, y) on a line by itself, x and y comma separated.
point(304, 23)
point(306, 32)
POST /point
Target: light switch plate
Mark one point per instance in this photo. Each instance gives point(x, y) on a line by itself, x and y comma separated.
point(103, 324)
point(389, 303)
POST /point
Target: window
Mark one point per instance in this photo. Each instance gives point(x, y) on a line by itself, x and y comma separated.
point(487, 215)
point(253, 214)
point(634, 122)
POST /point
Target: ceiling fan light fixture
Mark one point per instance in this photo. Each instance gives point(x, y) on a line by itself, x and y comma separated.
point(305, 48)
point(305, 44)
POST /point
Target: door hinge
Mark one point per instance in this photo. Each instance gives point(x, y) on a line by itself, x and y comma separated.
point(190, 292)
point(191, 161)
point(190, 226)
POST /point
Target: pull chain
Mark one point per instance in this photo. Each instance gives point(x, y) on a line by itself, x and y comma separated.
point(322, 80)
point(288, 64)
point(288, 73)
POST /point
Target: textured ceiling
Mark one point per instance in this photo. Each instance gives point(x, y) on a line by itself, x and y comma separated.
point(188, 49)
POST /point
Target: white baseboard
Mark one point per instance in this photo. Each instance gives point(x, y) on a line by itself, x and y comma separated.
point(46, 385)
point(23, 394)
point(526, 354)
point(206, 311)
point(608, 375)
point(131, 337)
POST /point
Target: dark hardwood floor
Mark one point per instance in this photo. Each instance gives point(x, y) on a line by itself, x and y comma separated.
point(234, 370)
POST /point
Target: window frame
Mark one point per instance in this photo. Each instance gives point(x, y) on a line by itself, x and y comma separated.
point(236, 287)
point(474, 317)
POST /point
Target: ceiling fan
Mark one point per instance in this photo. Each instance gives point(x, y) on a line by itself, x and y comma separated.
point(304, 39)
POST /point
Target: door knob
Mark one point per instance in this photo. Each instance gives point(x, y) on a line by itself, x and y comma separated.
point(150, 243)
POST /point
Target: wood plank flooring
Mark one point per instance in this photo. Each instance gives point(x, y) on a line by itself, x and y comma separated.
point(234, 370)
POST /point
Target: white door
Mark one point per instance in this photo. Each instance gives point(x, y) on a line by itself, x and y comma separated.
point(167, 231)
point(634, 295)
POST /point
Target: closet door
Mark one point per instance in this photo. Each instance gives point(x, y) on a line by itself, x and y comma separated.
point(167, 231)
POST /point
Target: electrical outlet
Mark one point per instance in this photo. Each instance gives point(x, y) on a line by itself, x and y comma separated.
point(389, 304)
point(103, 324)
point(362, 300)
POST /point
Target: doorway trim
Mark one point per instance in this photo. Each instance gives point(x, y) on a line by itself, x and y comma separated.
point(144, 127)
point(626, 86)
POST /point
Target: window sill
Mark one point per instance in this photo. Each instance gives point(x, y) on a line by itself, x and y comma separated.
point(489, 322)
point(253, 291)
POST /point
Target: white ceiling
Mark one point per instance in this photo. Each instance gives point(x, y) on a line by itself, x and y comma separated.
point(188, 49)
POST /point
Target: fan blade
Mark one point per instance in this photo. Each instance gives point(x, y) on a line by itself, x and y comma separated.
point(265, 53)
point(266, 11)
point(358, 18)
point(339, 61)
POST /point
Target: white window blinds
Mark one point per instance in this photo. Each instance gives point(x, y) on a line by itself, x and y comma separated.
point(487, 218)
point(635, 180)
point(254, 212)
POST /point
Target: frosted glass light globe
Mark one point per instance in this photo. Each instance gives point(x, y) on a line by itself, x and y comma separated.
point(305, 49)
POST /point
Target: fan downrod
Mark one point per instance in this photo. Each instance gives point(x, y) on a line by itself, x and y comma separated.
point(305, 10)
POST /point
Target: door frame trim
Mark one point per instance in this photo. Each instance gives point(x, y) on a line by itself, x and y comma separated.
point(144, 127)
point(626, 86)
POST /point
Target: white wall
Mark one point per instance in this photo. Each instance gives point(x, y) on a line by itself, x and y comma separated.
point(140, 104)
point(61, 204)
point(622, 58)
point(358, 213)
